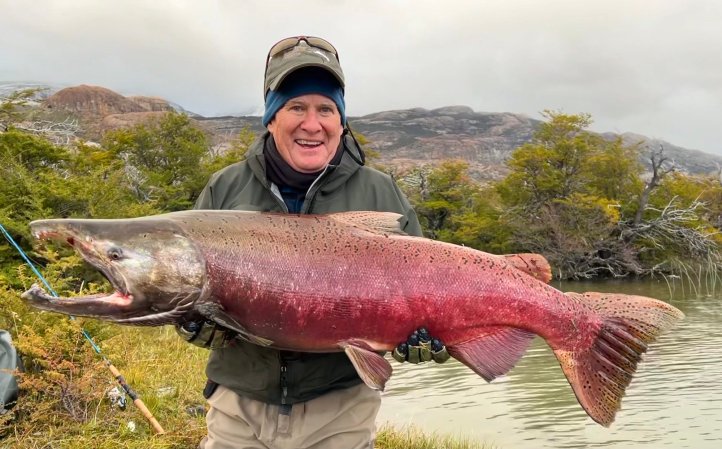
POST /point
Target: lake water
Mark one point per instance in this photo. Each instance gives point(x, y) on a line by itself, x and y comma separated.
point(674, 401)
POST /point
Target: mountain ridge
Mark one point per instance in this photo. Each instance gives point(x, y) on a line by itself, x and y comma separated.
point(403, 137)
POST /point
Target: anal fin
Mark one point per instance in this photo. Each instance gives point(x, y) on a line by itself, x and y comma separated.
point(494, 351)
point(371, 366)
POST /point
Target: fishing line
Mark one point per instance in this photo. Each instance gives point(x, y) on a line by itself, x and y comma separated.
point(118, 376)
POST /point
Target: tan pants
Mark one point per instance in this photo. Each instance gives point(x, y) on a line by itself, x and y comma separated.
point(342, 419)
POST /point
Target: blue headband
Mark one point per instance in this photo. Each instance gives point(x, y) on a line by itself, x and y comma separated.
point(311, 80)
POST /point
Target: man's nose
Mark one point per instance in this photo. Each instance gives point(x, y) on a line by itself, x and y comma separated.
point(311, 122)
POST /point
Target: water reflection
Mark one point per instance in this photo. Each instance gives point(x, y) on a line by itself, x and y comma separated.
point(673, 402)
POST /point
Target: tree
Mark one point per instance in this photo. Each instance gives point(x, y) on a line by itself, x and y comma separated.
point(678, 224)
point(438, 193)
point(162, 160)
point(454, 208)
point(235, 152)
point(660, 168)
point(565, 195)
point(615, 170)
point(29, 169)
point(554, 165)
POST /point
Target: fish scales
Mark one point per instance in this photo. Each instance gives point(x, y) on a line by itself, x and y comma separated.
point(372, 282)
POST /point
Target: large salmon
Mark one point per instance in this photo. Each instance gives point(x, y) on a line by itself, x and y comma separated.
point(353, 282)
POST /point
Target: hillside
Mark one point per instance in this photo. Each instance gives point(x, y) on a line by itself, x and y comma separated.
point(403, 138)
point(483, 139)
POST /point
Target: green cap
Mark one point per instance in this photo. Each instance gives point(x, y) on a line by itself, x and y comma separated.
point(299, 56)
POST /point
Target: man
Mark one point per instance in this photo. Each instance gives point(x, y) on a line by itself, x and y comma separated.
point(307, 162)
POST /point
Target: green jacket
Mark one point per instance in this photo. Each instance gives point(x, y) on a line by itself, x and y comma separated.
point(282, 377)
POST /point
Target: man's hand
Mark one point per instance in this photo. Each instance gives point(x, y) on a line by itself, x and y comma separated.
point(205, 334)
point(421, 347)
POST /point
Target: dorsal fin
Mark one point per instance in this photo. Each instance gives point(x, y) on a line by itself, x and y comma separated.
point(374, 222)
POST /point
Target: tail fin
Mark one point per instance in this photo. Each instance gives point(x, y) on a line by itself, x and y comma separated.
point(600, 373)
point(535, 265)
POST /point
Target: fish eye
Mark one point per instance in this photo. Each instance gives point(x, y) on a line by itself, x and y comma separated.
point(115, 253)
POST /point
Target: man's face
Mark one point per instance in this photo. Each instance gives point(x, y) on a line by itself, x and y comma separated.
point(307, 131)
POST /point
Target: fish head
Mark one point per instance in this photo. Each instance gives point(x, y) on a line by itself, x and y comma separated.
point(156, 271)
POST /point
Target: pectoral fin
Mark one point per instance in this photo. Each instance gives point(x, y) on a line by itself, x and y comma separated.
point(215, 312)
point(371, 366)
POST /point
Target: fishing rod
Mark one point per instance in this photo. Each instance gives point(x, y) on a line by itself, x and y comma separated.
point(114, 371)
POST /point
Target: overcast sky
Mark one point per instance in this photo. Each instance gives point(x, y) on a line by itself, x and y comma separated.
point(653, 67)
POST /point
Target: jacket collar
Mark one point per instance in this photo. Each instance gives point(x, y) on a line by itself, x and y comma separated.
point(333, 178)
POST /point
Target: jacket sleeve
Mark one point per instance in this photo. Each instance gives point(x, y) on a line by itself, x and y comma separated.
point(412, 225)
point(205, 199)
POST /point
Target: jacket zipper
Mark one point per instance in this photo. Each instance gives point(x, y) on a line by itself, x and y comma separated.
point(304, 210)
point(284, 381)
point(315, 185)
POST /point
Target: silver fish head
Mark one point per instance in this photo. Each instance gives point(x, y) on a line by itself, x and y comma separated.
point(156, 271)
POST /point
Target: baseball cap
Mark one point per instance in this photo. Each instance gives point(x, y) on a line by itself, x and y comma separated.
point(306, 80)
point(293, 53)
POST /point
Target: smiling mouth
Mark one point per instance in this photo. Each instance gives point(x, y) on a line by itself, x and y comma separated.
point(309, 143)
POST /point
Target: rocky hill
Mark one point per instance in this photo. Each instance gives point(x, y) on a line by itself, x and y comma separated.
point(98, 102)
point(403, 138)
point(99, 109)
point(412, 136)
point(485, 140)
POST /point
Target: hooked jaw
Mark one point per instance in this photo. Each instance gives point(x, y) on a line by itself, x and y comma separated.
point(157, 273)
point(103, 305)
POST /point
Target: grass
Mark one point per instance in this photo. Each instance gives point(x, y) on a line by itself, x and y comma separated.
point(165, 371)
point(412, 437)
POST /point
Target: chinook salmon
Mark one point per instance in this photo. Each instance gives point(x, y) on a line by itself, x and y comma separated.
point(354, 282)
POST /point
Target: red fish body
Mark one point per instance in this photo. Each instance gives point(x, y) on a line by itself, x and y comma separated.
point(377, 288)
point(352, 282)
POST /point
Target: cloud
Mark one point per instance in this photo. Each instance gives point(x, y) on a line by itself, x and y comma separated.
point(647, 67)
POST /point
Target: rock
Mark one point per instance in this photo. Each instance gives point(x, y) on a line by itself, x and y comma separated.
point(92, 101)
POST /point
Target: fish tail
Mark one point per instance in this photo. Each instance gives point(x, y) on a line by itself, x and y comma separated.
point(600, 373)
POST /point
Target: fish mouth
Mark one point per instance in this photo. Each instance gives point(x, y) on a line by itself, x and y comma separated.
point(156, 273)
point(101, 304)
point(90, 304)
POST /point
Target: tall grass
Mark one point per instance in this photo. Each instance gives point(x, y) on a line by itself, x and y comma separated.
point(701, 278)
point(390, 437)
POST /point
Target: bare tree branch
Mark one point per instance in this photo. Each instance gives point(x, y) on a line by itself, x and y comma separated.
point(659, 171)
point(59, 133)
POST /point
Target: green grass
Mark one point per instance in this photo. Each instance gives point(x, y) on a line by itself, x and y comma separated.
point(65, 406)
point(412, 437)
point(165, 371)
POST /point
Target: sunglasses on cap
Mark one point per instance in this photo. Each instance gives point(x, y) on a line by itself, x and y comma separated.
point(290, 42)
